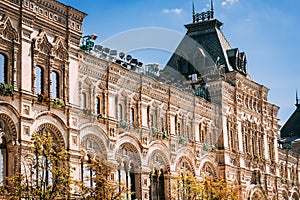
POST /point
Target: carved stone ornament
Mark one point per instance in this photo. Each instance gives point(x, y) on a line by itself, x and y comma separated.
point(42, 44)
point(7, 31)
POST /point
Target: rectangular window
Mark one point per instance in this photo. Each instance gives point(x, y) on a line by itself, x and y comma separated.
point(3, 70)
point(55, 85)
point(39, 80)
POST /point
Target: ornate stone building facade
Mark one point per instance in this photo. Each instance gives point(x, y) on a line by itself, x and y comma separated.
point(148, 127)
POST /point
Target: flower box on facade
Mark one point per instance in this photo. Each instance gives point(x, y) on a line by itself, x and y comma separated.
point(87, 111)
point(59, 102)
point(101, 116)
point(43, 98)
point(124, 124)
point(6, 89)
point(181, 139)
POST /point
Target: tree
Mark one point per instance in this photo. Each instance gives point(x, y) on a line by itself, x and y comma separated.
point(44, 171)
point(208, 188)
point(102, 183)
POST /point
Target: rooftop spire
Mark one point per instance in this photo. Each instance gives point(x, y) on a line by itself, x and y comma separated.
point(297, 100)
point(194, 17)
point(212, 8)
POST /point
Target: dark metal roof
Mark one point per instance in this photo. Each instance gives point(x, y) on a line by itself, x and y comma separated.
point(292, 127)
point(207, 36)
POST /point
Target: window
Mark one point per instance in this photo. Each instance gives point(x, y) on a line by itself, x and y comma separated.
point(39, 80)
point(202, 132)
point(178, 128)
point(162, 124)
point(132, 117)
point(3, 69)
point(83, 100)
point(98, 105)
point(120, 112)
point(87, 172)
point(149, 123)
point(55, 85)
point(3, 160)
point(157, 188)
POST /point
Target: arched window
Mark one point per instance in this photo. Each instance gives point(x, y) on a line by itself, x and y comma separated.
point(83, 100)
point(39, 80)
point(3, 69)
point(55, 85)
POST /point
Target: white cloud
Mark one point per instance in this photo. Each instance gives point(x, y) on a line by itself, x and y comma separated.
point(174, 10)
point(229, 2)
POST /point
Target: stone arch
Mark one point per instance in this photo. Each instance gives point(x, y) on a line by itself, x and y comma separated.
point(10, 128)
point(208, 169)
point(96, 129)
point(58, 136)
point(93, 145)
point(158, 160)
point(128, 153)
point(294, 195)
point(8, 146)
point(184, 162)
point(256, 192)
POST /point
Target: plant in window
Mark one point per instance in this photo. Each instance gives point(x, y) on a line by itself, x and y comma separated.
point(205, 147)
point(43, 98)
point(154, 131)
point(123, 124)
point(59, 102)
point(165, 135)
point(102, 116)
point(262, 159)
point(249, 155)
point(181, 139)
point(87, 111)
point(213, 147)
point(6, 89)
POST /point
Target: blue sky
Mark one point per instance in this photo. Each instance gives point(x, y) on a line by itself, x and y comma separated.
point(267, 31)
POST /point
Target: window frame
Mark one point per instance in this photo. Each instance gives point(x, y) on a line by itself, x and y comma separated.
point(5, 69)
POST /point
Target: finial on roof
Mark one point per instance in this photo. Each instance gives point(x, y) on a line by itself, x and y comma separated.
point(212, 8)
point(297, 100)
point(194, 17)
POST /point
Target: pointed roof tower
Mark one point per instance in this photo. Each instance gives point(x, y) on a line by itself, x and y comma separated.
point(206, 32)
point(291, 129)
